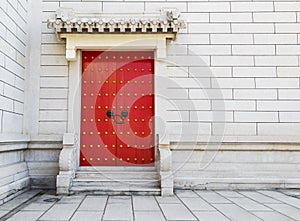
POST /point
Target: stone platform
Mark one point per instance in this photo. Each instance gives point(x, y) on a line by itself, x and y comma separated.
point(268, 205)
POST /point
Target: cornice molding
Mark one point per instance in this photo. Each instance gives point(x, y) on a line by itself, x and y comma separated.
point(67, 21)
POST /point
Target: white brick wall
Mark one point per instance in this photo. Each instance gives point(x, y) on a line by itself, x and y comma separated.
point(248, 49)
point(13, 44)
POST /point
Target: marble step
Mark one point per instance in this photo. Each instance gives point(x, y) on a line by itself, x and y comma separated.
point(113, 175)
point(116, 182)
point(112, 190)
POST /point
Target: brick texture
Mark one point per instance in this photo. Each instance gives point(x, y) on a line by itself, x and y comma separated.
point(240, 57)
point(13, 44)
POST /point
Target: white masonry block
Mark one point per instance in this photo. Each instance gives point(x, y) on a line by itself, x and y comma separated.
point(276, 60)
point(207, 28)
point(254, 71)
point(258, 28)
point(233, 83)
point(275, 38)
point(251, 6)
point(112, 7)
point(277, 82)
point(278, 105)
point(230, 17)
point(255, 116)
point(253, 49)
point(289, 129)
point(288, 49)
point(231, 39)
point(255, 94)
point(274, 16)
point(289, 94)
point(83, 6)
point(288, 71)
point(289, 117)
point(208, 6)
point(232, 61)
point(287, 6)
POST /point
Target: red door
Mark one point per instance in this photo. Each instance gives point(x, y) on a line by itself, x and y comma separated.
point(117, 108)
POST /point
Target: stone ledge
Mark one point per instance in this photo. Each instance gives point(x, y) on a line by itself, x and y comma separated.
point(200, 139)
point(235, 183)
point(46, 138)
point(14, 138)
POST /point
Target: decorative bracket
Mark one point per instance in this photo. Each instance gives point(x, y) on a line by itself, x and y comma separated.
point(165, 168)
point(67, 164)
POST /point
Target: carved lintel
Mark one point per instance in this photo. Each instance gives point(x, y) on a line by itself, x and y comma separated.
point(167, 21)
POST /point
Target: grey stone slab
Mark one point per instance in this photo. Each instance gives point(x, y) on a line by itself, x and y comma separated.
point(3, 212)
point(258, 197)
point(291, 192)
point(19, 200)
point(149, 216)
point(212, 197)
point(118, 208)
point(287, 210)
point(229, 194)
point(271, 216)
point(87, 215)
point(210, 216)
point(47, 196)
point(291, 201)
point(177, 212)
point(249, 204)
point(38, 206)
point(119, 199)
point(145, 203)
point(60, 212)
point(186, 193)
point(235, 213)
point(168, 200)
point(71, 199)
point(197, 204)
point(273, 194)
point(26, 216)
point(93, 203)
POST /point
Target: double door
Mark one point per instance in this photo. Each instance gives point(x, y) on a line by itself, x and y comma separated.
point(117, 108)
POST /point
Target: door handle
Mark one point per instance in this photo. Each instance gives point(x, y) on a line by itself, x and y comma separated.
point(113, 116)
point(110, 114)
point(124, 113)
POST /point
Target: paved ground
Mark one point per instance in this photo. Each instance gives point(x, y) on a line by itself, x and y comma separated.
point(185, 205)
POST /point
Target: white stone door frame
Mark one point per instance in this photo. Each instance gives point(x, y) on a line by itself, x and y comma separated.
point(75, 43)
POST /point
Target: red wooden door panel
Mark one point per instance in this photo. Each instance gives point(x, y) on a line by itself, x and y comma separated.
point(119, 82)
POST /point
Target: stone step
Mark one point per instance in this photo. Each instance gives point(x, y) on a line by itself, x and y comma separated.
point(113, 175)
point(116, 183)
point(111, 190)
point(135, 181)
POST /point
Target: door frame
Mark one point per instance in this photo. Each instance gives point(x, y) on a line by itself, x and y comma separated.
point(75, 43)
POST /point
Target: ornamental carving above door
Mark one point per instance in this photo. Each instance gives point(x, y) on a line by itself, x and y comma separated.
point(117, 108)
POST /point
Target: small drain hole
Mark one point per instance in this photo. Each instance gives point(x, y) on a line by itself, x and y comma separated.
point(51, 200)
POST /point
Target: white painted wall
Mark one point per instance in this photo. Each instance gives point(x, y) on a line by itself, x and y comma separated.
point(13, 41)
point(250, 48)
point(245, 57)
point(13, 48)
point(244, 54)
